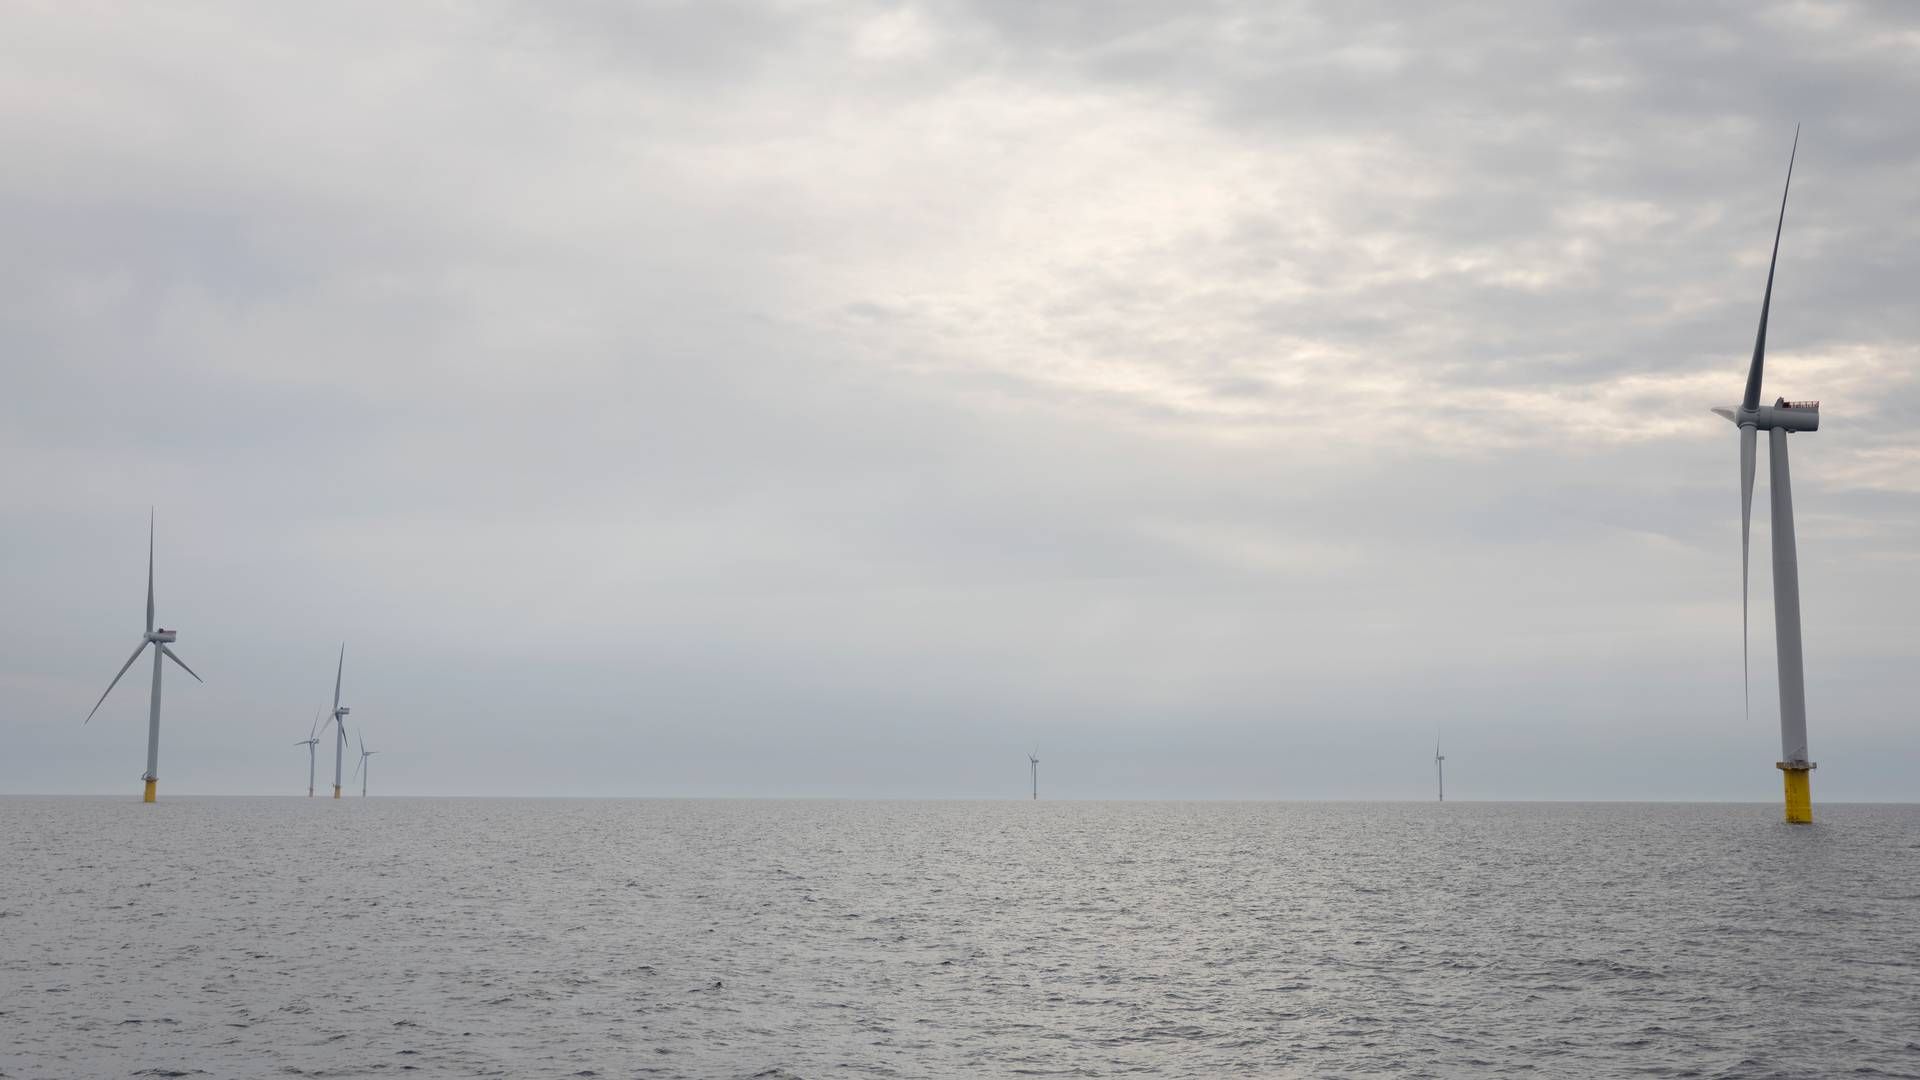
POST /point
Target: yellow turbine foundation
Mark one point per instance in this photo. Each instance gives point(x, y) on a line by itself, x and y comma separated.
point(1799, 794)
point(148, 797)
point(336, 791)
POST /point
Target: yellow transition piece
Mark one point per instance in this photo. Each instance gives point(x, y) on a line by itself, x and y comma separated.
point(1799, 796)
point(336, 791)
point(148, 797)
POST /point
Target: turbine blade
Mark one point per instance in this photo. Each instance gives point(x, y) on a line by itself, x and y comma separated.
point(337, 672)
point(1747, 436)
point(1752, 399)
point(183, 664)
point(116, 679)
point(149, 569)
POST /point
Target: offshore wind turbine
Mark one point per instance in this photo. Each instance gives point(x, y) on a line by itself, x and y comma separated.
point(159, 639)
point(339, 716)
point(311, 742)
point(361, 769)
point(1033, 763)
point(1777, 420)
point(1440, 768)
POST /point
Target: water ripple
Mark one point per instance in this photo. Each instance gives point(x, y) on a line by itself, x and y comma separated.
point(781, 941)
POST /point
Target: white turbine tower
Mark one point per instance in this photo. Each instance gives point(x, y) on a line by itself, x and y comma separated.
point(311, 742)
point(339, 716)
point(1777, 420)
point(1033, 763)
point(361, 769)
point(159, 639)
point(1440, 768)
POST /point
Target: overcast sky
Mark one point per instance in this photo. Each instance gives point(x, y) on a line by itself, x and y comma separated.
point(822, 398)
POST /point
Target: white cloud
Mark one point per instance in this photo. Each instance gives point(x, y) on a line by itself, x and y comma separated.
point(696, 371)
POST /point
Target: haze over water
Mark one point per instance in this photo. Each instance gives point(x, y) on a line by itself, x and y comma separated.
point(256, 937)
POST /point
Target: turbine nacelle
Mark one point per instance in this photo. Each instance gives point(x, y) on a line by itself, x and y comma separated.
point(1782, 414)
point(342, 711)
point(161, 637)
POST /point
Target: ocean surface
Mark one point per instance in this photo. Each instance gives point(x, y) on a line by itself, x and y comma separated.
point(536, 938)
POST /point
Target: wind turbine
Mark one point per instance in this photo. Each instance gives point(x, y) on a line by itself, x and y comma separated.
point(339, 716)
point(159, 639)
point(1440, 768)
point(1777, 420)
point(361, 769)
point(311, 742)
point(1033, 763)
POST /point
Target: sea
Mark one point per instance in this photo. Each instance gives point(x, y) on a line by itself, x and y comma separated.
point(393, 937)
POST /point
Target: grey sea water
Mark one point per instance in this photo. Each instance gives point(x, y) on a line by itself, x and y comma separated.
point(522, 938)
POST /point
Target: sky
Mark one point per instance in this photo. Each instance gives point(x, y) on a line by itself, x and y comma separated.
point(822, 398)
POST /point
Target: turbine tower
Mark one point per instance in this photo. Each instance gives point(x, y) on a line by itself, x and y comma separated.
point(1440, 768)
point(1777, 420)
point(339, 722)
point(159, 639)
point(311, 742)
point(1033, 763)
point(361, 769)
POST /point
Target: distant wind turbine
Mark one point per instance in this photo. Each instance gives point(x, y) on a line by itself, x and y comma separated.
point(311, 742)
point(159, 639)
point(361, 769)
point(1440, 768)
point(339, 716)
point(1777, 420)
point(1033, 763)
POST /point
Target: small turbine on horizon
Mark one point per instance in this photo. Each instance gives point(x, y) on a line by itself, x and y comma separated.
point(339, 716)
point(1777, 420)
point(1440, 768)
point(159, 639)
point(311, 742)
point(1033, 763)
point(360, 770)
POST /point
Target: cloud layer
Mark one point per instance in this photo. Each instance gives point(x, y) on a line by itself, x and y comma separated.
point(841, 398)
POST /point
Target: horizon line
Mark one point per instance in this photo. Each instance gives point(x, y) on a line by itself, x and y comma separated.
point(1023, 798)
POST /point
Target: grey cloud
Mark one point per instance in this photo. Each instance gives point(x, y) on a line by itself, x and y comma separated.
point(683, 400)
